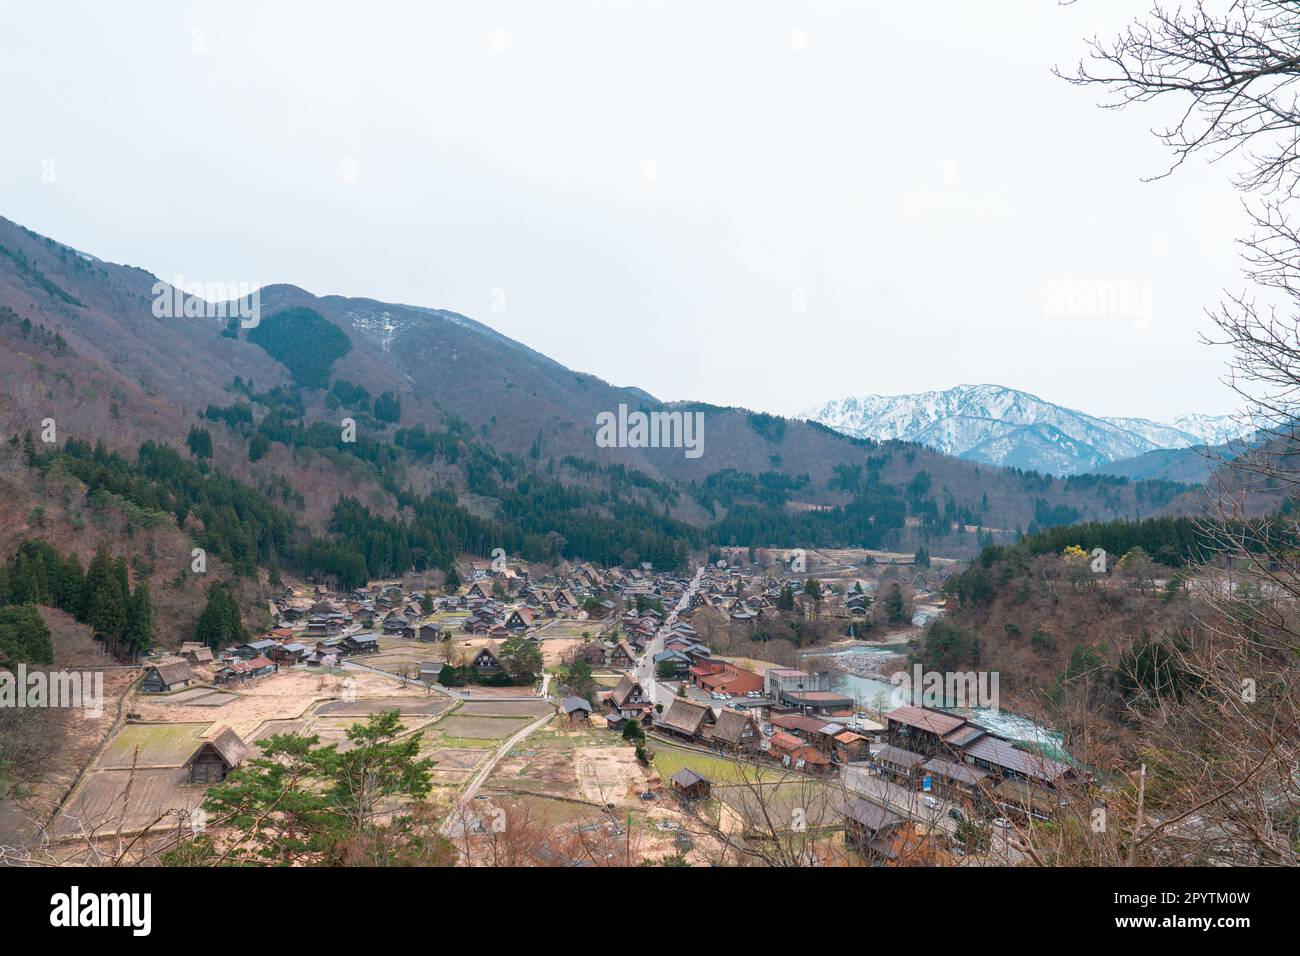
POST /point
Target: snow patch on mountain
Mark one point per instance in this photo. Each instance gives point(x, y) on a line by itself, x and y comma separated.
point(1004, 426)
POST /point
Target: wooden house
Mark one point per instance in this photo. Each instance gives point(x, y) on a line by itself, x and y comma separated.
point(960, 783)
point(355, 644)
point(164, 678)
point(520, 620)
point(685, 719)
point(289, 654)
point(196, 652)
point(630, 700)
point(621, 656)
point(241, 672)
point(253, 649)
point(735, 731)
point(900, 766)
point(866, 822)
point(488, 661)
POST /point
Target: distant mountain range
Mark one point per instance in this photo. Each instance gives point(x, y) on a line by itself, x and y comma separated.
point(1002, 426)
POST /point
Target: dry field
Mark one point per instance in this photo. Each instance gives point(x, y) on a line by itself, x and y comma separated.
point(581, 763)
point(108, 800)
point(424, 705)
point(170, 728)
point(505, 708)
point(333, 730)
point(287, 695)
point(479, 728)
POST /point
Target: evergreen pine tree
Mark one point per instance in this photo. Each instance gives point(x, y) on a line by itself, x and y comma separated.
point(107, 613)
point(139, 620)
point(100, 572)
point(42, 579)
point(22, 581)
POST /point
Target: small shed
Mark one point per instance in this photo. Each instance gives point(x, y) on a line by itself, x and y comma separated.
point(215, 758)
point(196, 652)
point(577, 710)
point(690, 785)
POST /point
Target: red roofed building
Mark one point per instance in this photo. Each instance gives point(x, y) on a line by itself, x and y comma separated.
point(724, 678)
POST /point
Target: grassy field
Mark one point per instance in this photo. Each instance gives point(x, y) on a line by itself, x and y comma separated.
point(668, 760)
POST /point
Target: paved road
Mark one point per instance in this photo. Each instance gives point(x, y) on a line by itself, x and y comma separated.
point(645, 663)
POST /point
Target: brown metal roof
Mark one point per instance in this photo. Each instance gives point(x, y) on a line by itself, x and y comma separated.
point(1001, 753)
point(949, 770)
point(900, 757)
point(928, 720)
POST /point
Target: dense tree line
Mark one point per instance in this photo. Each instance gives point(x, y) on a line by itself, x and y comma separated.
point(1171, 541)
point(37, 574)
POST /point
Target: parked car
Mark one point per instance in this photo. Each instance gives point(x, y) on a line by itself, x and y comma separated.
point(957, 815)
point(1002, 823)
point(931, 802)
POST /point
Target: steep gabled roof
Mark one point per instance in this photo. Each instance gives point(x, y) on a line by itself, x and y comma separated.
point(626, 685)
point(175, 672)
point(685, 716)
point(228, 746)
point(731, 725)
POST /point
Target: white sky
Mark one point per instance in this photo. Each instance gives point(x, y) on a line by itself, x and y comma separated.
point(654, 185)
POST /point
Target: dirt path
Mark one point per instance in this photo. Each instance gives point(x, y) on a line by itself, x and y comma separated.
point(472, 789)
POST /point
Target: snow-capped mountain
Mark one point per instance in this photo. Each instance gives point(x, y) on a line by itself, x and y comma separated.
point(1003, 426)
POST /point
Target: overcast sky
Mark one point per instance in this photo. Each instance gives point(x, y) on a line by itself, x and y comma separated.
point(766, 204)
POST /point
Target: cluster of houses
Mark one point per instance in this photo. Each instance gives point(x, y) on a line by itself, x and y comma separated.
point(749, 599)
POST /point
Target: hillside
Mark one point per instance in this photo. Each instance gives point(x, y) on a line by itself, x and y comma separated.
point(1072, 645)
point(236, 438)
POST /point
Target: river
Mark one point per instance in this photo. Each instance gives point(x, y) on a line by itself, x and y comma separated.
point(853, 677)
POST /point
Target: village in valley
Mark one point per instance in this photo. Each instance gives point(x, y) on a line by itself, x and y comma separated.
point(591, 716)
